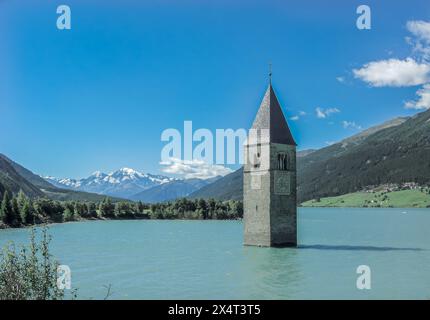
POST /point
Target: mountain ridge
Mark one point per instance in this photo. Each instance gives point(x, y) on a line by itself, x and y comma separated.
point(14, 177)
point(11, 180)
point(123, 183)
point(172, 190)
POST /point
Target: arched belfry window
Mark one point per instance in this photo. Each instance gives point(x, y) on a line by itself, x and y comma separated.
point(282, 161)
point(257, 157)
point(257, 160)
point(286, 161)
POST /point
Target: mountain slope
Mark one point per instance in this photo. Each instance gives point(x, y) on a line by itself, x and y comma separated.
point(15, 177)
point(342, 147)
point(304, 153)
point(27, 174)
point(229, 187)
point(171, 190)
point(70, 195)
point(12, 181)
point(397, 153)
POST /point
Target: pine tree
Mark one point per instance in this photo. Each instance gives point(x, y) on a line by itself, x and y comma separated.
point(24, 208)
point(104, 207)
point(15, 212)
point(27, 212)
point(76, 209)
point(91, 210)
point(110, 207)
point(117, 209)
point(2, 190)
point(21, 198)
point(203, 207)
point(6, 212)
point(68, 214)
point(136, 209)
point(107, 208)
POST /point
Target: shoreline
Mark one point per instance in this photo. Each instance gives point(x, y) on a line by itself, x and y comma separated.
point(50, 223)
point(351, 207)
point(6, 227)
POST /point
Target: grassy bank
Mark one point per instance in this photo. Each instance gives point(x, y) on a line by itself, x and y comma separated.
point(380, 199)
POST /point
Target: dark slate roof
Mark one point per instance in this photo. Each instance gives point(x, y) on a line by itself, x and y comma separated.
point(270, 116)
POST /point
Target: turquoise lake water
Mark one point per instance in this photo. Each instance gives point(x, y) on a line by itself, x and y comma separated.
point(155, 259)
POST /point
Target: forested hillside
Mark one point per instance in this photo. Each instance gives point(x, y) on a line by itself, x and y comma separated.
point(395, 154)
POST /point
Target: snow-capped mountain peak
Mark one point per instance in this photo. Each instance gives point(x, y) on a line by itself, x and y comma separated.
point(98, 174)
point(128, 171)
point(123, 183)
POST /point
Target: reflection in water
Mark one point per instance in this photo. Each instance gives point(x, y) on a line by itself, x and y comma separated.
point(272, 271)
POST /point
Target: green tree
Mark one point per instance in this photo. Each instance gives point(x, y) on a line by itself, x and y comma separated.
point(6, 211)
point(137, 208)
point(79, 209)
point(31, 273)
point(91, 209)
point(16, 212)
point(48, 210)
point(101, 209)
point(106, 208)
point(68, 214)
point(21, 198)
point(27, 213)
point(2, 190)
point(203, 208)
point(117, 210)
point(211, 207)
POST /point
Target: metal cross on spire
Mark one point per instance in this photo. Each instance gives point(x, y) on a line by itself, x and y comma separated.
point(270, 73)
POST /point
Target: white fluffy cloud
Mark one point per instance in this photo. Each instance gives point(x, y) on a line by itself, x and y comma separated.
point(423, 101)
point(402, 73)
point(394, 73)
point(324, 113)
point(298, 116)
point(351, 124)
point(421, 39)
point(190, 169)
point(420, 29)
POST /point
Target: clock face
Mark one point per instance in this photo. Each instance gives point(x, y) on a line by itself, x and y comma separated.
point(282, 182)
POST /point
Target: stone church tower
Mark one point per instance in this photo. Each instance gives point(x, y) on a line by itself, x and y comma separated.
point(269, 178)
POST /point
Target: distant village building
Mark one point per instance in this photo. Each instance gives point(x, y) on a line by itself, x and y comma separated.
point(269, 178)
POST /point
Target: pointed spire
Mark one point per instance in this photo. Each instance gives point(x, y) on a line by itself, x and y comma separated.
point(270, 116)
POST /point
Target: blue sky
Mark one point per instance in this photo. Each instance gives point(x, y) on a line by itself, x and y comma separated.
point(98, 96)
